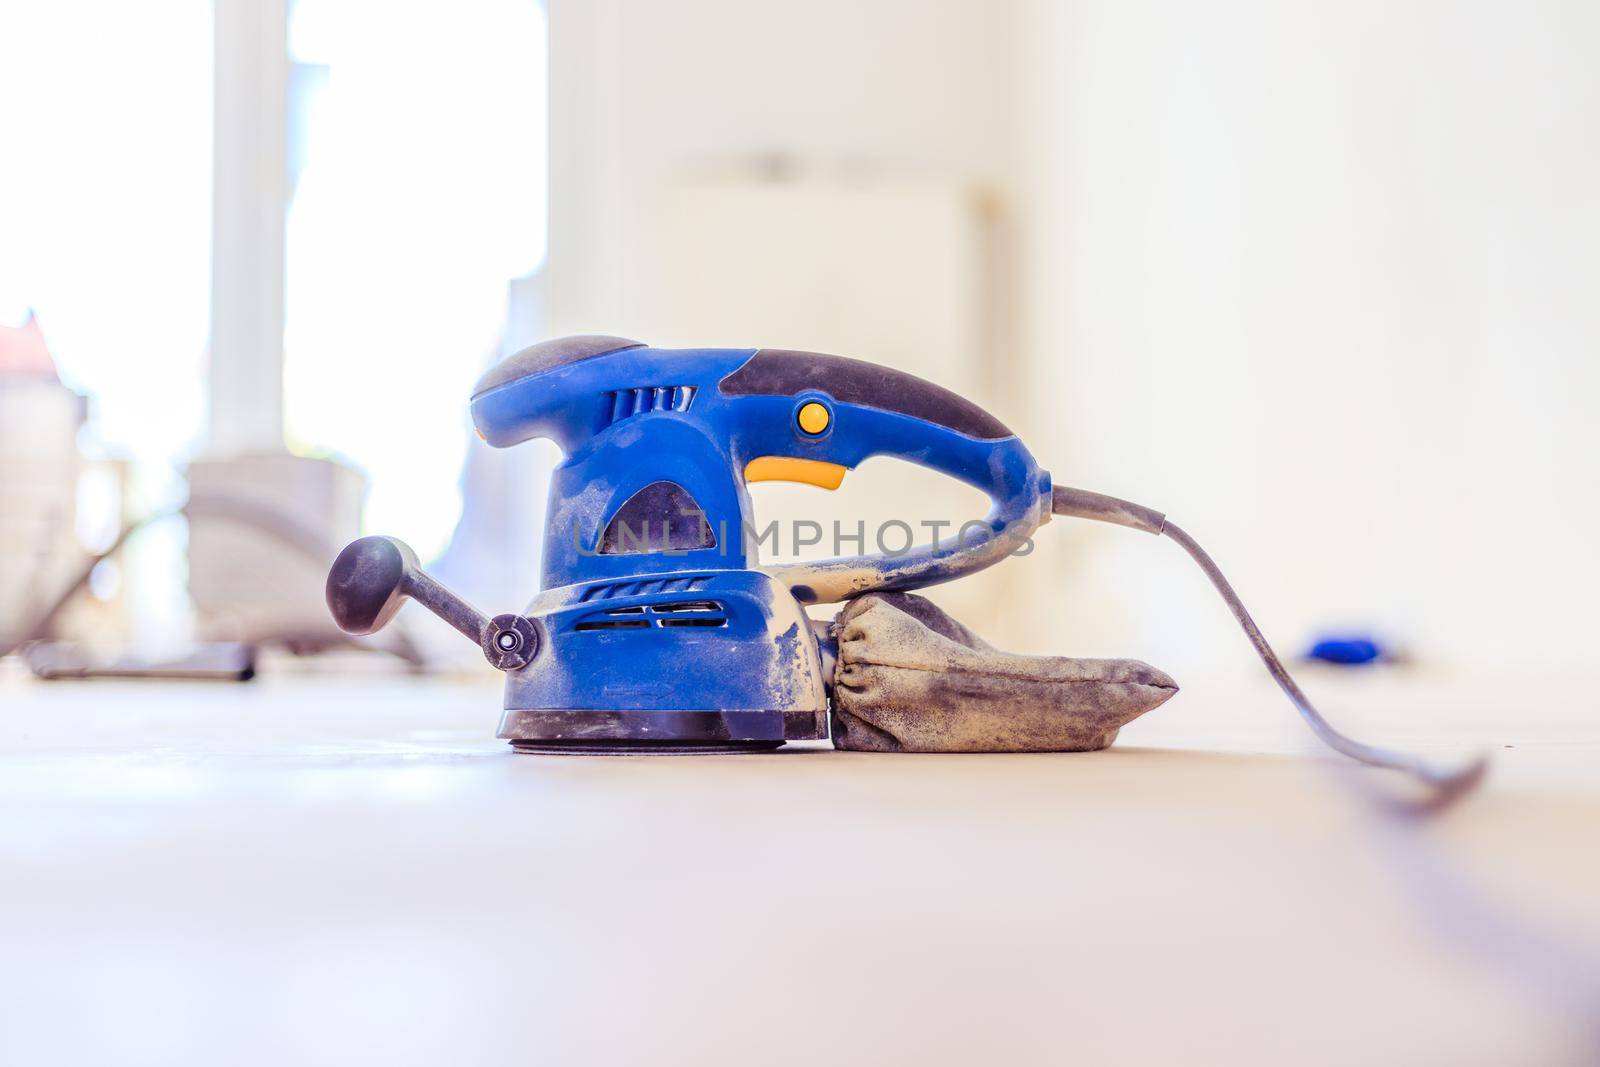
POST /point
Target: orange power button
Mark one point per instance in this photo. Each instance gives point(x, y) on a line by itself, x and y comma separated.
point(813, 418)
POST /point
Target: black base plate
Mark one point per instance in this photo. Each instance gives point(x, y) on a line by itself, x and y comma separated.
point(601, 731)
point(634, 747)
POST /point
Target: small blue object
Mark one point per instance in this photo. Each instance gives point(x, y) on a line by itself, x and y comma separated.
point(1347, 651)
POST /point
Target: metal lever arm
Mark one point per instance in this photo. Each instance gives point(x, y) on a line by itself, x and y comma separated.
point(373, 576)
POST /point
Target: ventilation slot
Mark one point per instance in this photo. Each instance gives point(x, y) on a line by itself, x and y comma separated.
point(691, 613)
point(685, 583)
point(613, 624)
point(680, 613)
point(626, 402)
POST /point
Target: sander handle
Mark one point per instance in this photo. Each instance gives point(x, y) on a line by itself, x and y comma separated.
point(374, 576)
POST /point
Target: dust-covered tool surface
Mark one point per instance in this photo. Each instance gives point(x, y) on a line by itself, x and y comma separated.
point(657, 628)
point(352, 869)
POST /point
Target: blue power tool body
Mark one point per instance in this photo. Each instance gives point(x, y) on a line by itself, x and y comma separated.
point(656, 623)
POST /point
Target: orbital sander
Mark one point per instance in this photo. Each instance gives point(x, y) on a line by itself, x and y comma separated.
point(658, 630)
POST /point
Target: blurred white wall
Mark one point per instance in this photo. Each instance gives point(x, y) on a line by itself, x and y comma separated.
point(644, 94)
point(1317, 280)
point(1321, 281)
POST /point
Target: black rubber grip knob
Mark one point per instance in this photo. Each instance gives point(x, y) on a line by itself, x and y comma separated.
point(368, 583)
point(374, 576)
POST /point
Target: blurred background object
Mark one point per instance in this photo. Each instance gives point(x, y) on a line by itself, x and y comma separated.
point(39, 471)
point(332, 243)
point(1317, 283)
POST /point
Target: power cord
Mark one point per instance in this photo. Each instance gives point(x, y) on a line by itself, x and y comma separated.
point(1448, 781)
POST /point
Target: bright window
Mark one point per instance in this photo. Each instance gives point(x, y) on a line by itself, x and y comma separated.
point(105, 209)
point(418, 147)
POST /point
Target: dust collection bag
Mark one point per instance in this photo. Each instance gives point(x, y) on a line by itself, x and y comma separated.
point(912, 679)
